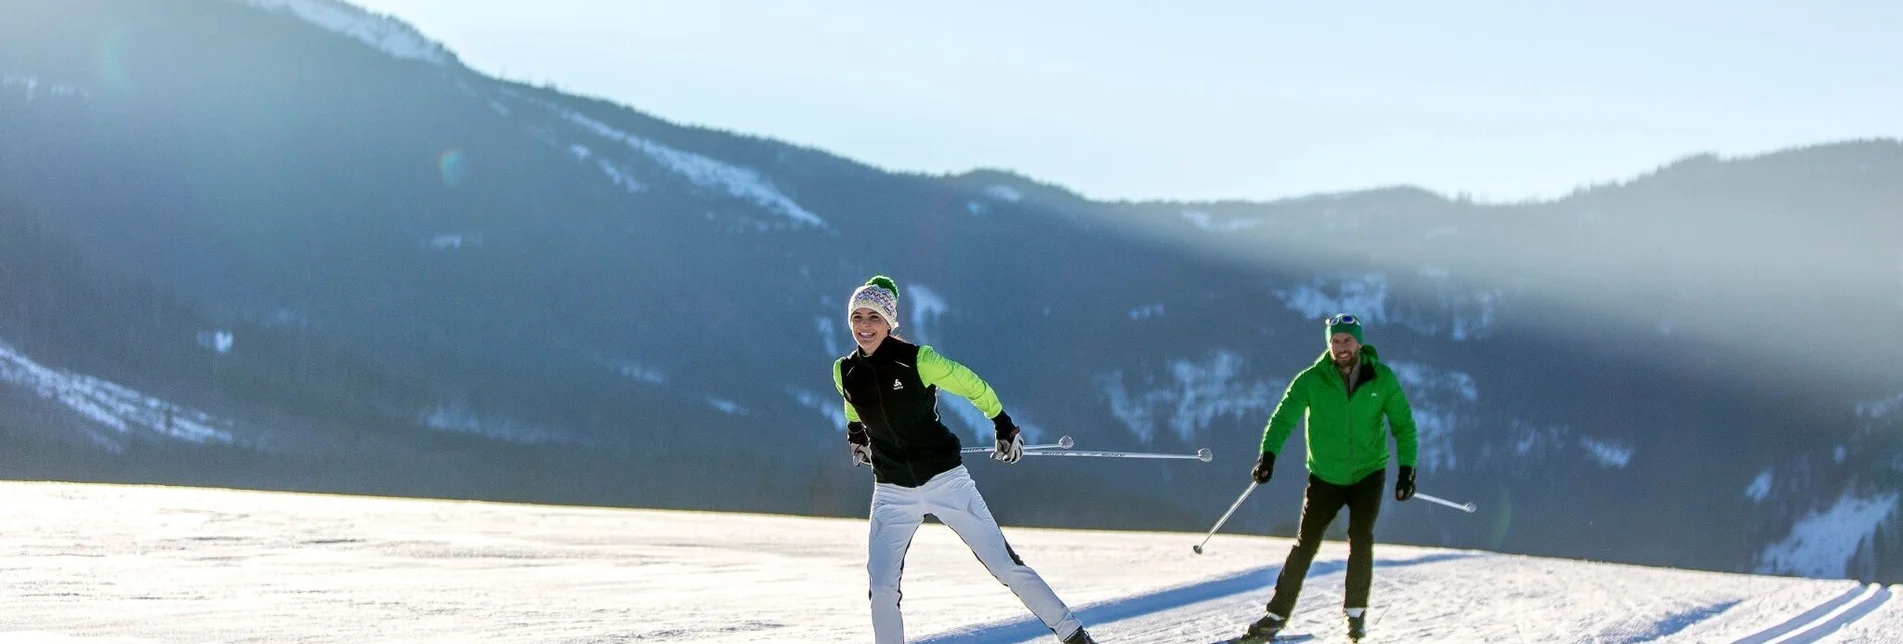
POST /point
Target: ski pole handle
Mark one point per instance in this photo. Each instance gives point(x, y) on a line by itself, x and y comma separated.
point(1463, 507)
point(1062, 443)
point(1225, 516)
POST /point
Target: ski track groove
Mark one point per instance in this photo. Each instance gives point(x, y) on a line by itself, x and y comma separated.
point(1217, 610)
point(1824, 620)
point(1235, 587)
point(1883, 624)
point(1637, 630)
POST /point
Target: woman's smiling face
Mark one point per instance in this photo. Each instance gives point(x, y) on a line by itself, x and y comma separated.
point(868, 330)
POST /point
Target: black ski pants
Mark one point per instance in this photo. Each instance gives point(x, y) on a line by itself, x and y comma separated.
point(1320, 503)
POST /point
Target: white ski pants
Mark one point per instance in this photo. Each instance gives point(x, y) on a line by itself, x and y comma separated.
point(953, 498)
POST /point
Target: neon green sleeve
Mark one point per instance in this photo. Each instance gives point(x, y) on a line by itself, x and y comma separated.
point(839, 385)
point(950, 376)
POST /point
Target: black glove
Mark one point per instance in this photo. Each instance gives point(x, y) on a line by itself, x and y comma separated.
point(1404, 484)
point(1264, 467)
point(1009, 446)
point(860, 443)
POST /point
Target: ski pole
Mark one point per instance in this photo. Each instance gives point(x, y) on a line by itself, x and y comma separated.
point(1225, 516)
point(1062, 443)
point(1463, 507)
point(1200, 455)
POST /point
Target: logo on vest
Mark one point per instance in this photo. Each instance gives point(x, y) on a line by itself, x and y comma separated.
point(896, 385)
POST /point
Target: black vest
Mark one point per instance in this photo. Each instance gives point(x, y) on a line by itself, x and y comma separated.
point(909, 443)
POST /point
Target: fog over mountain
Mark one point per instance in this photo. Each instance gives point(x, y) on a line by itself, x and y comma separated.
point(288, 244)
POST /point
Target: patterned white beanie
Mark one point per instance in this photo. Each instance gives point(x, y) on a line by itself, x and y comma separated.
point(879, 294)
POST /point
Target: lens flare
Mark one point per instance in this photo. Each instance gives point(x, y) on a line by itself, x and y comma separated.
point(110, 64)
point(453, 167)
point(1502, 521)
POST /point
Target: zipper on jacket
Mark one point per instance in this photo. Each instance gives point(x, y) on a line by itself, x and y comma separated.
point(878, 380)
point(1348, 412)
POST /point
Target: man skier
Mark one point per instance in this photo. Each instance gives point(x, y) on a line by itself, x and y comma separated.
point(1343, 398)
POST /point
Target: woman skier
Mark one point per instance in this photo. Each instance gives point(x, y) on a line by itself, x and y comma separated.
point(891, 388)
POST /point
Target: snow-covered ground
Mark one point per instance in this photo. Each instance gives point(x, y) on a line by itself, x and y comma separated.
point(134, 564)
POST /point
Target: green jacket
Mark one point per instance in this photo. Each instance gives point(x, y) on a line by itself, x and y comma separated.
point(1346, 439)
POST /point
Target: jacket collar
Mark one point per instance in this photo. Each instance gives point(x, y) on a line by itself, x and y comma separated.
point(891, 346)
point(1369, 357)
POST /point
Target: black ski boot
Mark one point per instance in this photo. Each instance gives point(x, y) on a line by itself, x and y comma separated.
point(1079, 637)
point(1357, 627)
point(1264, 629)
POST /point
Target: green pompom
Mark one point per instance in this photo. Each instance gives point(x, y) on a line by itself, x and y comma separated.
point(884, 282)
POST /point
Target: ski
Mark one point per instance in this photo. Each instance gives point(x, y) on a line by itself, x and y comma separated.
point(1254, 639)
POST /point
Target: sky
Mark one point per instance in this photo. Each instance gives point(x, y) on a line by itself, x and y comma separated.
point(1205, 100)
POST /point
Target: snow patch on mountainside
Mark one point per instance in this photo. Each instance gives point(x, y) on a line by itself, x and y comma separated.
point(1461, 314)
point(453, 241)
point(1822, 543)
point(1526, 442)
point(33, 88)
point(1194, 395)
point(829, 405)
point(619, 176)
point(634, 370)
point(282, 318)
point(1437, 397)
point(831, 334)
point(117, 407)
point(1879, 409)
point(737, 181)
point(1003, 192)
point(219, 340)
point(1147, 311)
point(1208, 222)
point(977, 426)
point(457, 418)
point(926, 307)
point(1365, 296)
point(1607, 453)
point(1416, 376)
point(979, 429)
point(384, 33)
point(1760, 487)
point(726, 406)
point(1450, 311)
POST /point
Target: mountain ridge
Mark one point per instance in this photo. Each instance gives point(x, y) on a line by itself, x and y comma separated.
point(427, 281)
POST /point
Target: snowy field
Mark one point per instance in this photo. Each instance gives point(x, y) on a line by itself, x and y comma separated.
point(98, 564)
